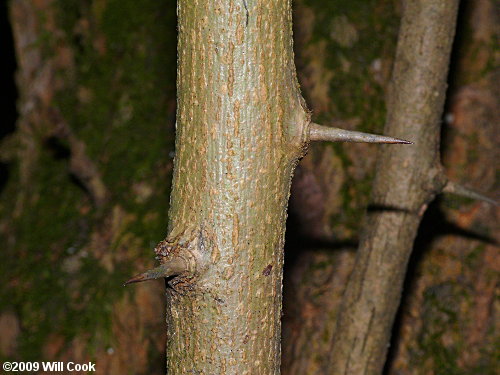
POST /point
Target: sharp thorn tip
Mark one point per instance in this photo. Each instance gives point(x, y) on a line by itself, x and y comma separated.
point(135, 279)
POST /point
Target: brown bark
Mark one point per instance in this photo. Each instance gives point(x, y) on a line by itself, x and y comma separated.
point(407, 180)
point(448, 319)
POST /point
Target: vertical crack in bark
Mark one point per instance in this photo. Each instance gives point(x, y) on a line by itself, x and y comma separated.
point(246, 12)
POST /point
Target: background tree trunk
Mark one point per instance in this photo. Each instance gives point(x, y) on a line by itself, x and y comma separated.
point(447, 323)
point(406, 181)
point(315, 278)
point(87, 181)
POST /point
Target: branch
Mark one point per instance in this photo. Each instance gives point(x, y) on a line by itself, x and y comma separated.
point(454, 188)
point(85, 170)
point(324, 133)
point(80, 163)
point(173, 267)
point(414, 106)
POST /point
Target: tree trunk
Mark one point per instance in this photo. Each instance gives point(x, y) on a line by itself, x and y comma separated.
point(407, 180)
point(241, 127)
point(448, 321)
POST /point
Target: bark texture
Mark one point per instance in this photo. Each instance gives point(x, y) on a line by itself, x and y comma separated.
point(407, 180)
point(241, 127)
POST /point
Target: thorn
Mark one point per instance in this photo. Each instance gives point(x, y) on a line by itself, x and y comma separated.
point(137, 279)
point(173, 267)
point(325, 133)
point(462, 191)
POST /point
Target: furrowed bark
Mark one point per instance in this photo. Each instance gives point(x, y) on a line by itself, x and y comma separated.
point(241, 127)
point(407, 179)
